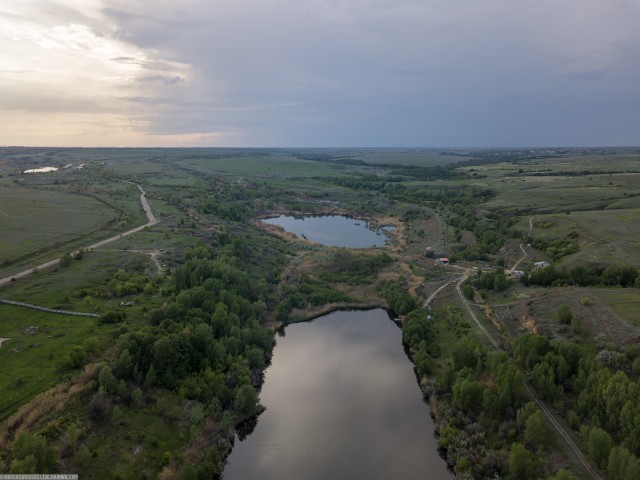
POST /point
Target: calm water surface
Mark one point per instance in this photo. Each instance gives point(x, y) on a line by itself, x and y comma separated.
point(342, 402)
point(331, 230)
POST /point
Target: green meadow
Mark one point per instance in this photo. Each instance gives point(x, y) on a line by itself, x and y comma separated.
point(34, 220)
point(34, 356)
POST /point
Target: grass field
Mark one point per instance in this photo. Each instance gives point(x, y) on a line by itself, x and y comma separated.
point(32, 220)
point(262, 167)
point(519, 187)
point(604, 236)
point(418, 157)
point(32, 358)
point(623, 301)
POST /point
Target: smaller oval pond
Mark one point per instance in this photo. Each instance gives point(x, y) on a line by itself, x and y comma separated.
point(332, 230)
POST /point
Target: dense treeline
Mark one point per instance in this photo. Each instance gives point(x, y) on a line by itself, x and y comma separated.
point(584, 276)
point(569, 173)
point(206, 344)
point(599, 391)
point(486, 427)
point(398, 299)
point(494, 280)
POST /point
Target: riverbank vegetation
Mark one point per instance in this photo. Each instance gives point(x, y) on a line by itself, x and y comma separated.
point(156, 384)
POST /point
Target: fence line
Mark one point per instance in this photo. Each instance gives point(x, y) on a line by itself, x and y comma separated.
point(50, 310)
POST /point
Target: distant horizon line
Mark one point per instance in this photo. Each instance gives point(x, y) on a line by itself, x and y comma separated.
point(520, 147)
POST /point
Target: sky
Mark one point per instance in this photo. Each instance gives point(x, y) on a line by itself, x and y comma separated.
point(320, 73)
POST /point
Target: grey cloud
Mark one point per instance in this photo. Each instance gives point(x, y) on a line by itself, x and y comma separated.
point(177, 80)
point(392, 73)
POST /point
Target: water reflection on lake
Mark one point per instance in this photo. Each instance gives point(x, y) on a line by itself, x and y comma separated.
point(342, 402)
point(331, 230)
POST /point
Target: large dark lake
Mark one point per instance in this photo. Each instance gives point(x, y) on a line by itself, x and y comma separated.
point(342, 402)
point(331, 230)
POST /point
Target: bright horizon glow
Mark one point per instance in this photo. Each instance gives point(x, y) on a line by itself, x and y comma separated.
point(319, 73)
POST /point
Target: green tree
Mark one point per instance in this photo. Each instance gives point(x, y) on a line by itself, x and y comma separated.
point(107, 380)
point(150, 378)
point(509, 381)
point(563, 474)
point(137, 397)
point(468, 394)
point(35, 446)
point(246, 400)
point(116, 415)
point(599, 445)
point(536, 433)
point(543, 379)
point(468, 353)
point(623, 465)
point(522, 464)
point(124, 364)
point(75, 358)
point(28, 464)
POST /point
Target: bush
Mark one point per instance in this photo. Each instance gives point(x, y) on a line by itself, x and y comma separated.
point(113, 316)
point(564, 315)
point(75, 358)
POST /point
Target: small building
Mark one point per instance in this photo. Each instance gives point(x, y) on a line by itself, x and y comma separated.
point(541, 264)
point(517, 273)
point(442, 261)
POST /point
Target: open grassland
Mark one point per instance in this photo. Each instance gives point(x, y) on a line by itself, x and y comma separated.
point(562, 194)
point(562, 184)
point(417, 157)
point(606, 237)
point(625, 302)
point(81, 279)
point(261, 167)
point(39, 342)
point(611, 312)
point(32, 220)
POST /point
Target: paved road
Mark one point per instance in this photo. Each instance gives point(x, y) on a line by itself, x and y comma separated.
point(152, 220)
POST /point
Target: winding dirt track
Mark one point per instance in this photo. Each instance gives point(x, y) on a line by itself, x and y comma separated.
point(545, 410)
point(524, 251)
point(152, 220)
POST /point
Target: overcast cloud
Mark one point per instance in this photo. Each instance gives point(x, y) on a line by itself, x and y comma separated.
point(320, 72)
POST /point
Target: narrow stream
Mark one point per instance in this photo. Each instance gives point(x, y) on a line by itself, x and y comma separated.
point(342, 402)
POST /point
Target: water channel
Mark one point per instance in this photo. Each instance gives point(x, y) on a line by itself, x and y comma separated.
point(342, 402)
point(332, 230)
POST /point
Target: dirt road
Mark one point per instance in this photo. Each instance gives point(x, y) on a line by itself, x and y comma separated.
point(523, 248)
point(152, 220)
point(550, 416)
